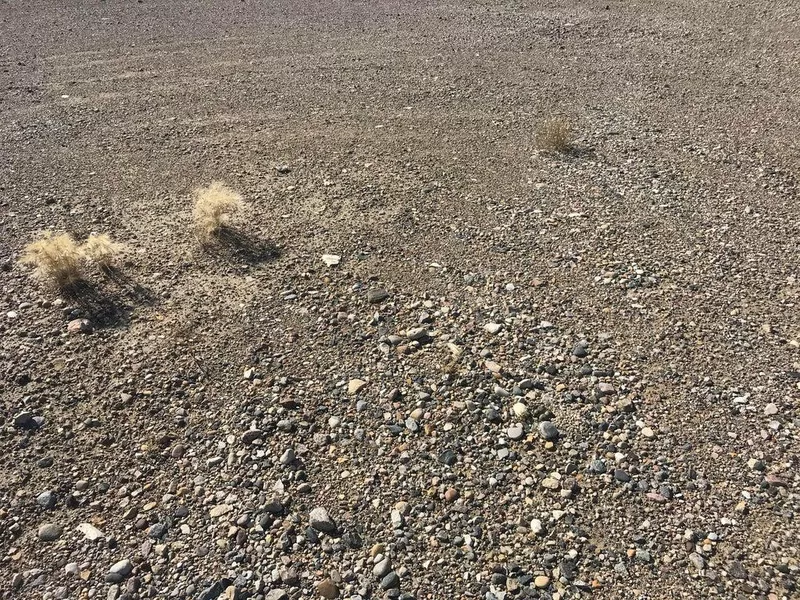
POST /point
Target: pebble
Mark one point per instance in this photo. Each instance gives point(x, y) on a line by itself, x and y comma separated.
point(451, 495)
point(377, 295)
point(520, 410)
point(536, 527)
point(417, 334)
point(320, 520)
point(277, 594)
point(390, 581)
point(548, 431)
point(219, 510)
point(771, 409)
point(250, 436)
point(382, 568)
point(355, 386)
point(648, 432)
point(24, 420)
point(541, 581)
point(331, 260)
point(119, 571)
point(697, 560)
point(46, 500)
point(80, 326)
point(493, 328)
point(50, 532)
point(327, 589)
point(515, 433)
point(91, 532)
point(621, 475)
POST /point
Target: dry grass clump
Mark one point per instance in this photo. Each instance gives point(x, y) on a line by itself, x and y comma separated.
point(213, 207)
point(553, 135)
point(101, 250)
point(56, 259)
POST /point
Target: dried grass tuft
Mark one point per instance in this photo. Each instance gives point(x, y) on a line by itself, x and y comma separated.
point(56, 259)
point(213, 207)
point(553, 135)
point(101, 250)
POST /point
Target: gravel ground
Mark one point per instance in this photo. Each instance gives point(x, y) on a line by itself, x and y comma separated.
point(529, 375)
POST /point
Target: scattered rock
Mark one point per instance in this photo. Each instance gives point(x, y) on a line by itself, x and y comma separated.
point(91, 532)
point(50, 532)
point(377, 295)
point(355, 386)
point(320, 520)
point(548, 431)
point(331, 260)
point(80, 326)
point(493, 328)
point(327, 589)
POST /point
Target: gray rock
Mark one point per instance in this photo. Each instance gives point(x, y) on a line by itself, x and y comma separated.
point(377, 295)
point(390, 581)
point(621, 475)
point(515, 433)
point(736, 570)
point(580, 349)
point(697, 560)
point(381, 569)
point(250, 436)
point(119, 571)
point(46, 500)
point(50, 532)
point(288, 457)
point(277, 594)
point(321, 521)
point(24, 420)
point(598, 466)
point(548, 431)
point(417, 334)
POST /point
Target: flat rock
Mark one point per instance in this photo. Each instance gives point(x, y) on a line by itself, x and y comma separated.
point(377, 295)
point(548, 431)
point(219, 510)
point(80, 326)
point(493, 328)
point(50, 532)
point(331, 260)
point(91, 532)
point(327, 589)
point(320, 520)
point(251, 435)
point(355, 386)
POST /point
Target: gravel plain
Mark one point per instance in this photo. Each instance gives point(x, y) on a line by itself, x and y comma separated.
point(434, 361)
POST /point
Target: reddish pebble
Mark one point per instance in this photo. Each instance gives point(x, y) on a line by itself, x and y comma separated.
point(451, 495)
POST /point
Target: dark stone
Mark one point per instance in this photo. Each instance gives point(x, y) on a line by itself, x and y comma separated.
point(448, 457)
point(377, 295)
point(390, 581)
point(213, 592)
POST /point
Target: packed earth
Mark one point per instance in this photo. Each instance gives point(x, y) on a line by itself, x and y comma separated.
point(431, 359)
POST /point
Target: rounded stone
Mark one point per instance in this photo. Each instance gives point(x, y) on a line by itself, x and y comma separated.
point(50, 532)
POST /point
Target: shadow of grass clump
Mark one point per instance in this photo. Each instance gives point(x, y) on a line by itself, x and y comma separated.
point(103, 309)
point(234, 244)
point(128, 285)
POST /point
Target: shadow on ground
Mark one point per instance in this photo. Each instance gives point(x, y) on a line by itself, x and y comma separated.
point(105, 308)
point(234, 244)
point(130, 288)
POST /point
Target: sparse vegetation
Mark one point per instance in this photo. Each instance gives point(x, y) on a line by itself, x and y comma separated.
point(56, 259)
point(213, 207)
point(101, 250)
point(553, 135)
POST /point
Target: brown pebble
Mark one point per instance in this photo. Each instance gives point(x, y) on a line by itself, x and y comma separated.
point(451, 495)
